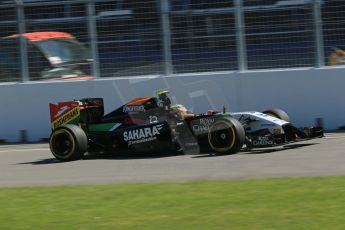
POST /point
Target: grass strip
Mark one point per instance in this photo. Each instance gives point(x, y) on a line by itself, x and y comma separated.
point(286, 203)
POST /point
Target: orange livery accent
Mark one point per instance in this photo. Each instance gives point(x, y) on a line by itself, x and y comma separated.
point(64, 113)
point(57, 110)
point(138, 101)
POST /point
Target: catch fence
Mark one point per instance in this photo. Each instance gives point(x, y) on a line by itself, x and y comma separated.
point(125, 38)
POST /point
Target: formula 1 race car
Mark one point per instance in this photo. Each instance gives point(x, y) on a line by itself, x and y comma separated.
point(153, 124)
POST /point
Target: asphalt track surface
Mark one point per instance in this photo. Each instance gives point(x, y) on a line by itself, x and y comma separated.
point(34, 165)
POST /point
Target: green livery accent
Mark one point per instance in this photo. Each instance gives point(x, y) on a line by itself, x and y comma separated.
point(74, 121)
point(106, 127)
point(227, 114)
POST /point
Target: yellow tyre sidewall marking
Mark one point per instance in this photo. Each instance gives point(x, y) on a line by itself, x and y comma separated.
point(233, 138)
point(62, 131)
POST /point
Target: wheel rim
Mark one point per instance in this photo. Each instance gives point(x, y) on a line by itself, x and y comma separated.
point(62, 144)
point(222, 137)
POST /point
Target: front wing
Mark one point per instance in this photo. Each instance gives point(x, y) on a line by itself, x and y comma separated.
point(291, 135)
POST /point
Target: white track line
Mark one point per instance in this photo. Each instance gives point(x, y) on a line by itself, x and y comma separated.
point(23, 150)
point(334, 136)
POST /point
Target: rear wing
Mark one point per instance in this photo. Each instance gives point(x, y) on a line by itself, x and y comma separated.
point(64, 113)
point(85, 111)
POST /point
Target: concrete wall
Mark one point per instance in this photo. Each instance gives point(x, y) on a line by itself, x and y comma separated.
point(306, 94)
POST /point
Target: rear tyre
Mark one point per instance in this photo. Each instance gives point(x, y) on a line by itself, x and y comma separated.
point(226, 136)
point(68, 142)
point(278, 113)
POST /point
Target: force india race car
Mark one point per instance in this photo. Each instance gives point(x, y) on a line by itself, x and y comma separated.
point(152, 124)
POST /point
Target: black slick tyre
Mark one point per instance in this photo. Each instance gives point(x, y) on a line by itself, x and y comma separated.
point(68, 142)
point(278, 113)
point(226, 136)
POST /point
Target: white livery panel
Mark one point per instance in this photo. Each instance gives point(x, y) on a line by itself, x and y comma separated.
point(257, 121)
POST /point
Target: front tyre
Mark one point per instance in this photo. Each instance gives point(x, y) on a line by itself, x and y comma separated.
point(68, 142)
point(226, 136)
point(278, 113)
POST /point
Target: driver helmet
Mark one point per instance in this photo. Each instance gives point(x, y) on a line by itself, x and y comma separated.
point(162, 92)
point(163, 99)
